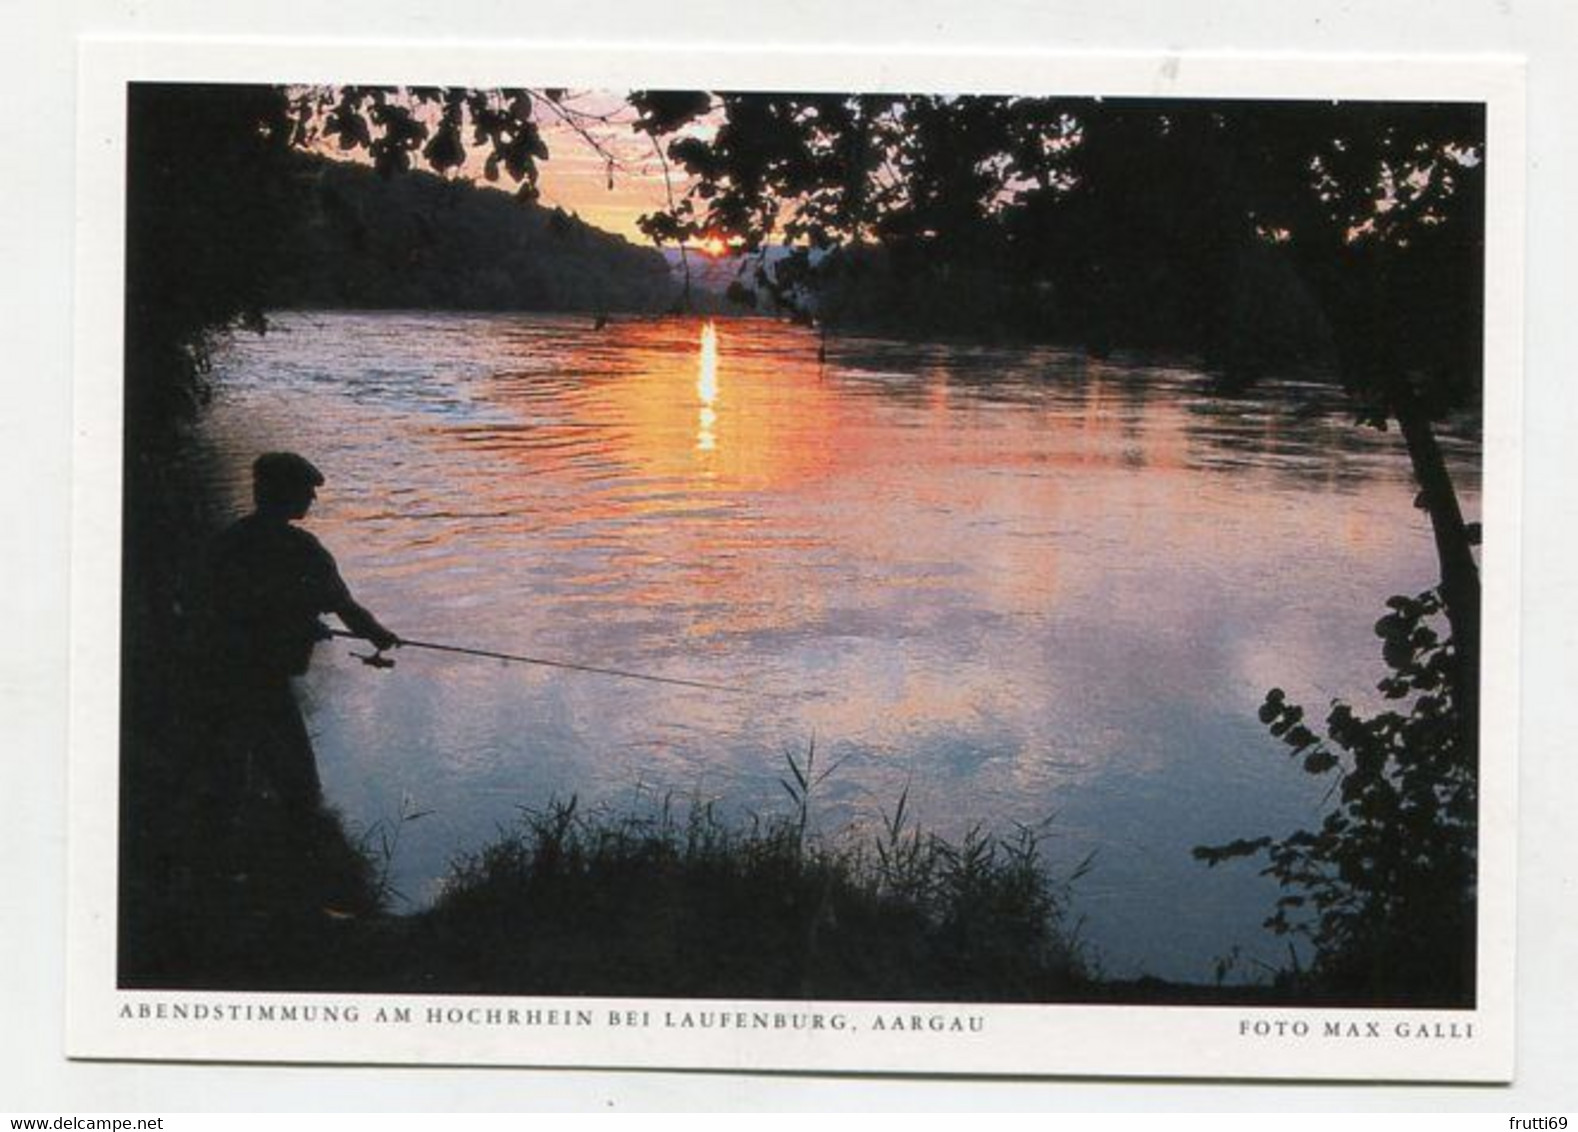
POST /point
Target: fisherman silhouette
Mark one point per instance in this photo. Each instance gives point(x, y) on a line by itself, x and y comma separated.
point(271, 581)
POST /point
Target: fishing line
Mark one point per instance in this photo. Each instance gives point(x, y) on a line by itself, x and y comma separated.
point(378, 660)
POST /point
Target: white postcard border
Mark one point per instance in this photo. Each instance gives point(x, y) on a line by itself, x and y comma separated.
point(1122, 1041)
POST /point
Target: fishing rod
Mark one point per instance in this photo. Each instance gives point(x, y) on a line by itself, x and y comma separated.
point(378, 660)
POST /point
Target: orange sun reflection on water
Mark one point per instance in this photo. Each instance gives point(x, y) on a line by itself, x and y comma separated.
point(718, 458)
point(707, 389)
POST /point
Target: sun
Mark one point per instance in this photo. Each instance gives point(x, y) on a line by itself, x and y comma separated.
point(713, 246)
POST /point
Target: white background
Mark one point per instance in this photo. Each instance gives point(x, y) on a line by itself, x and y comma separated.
point(37, 140)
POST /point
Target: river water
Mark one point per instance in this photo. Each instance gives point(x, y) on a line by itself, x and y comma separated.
point(1024, 586)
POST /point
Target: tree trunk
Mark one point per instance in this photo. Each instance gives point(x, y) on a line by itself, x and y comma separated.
point(1460, 585)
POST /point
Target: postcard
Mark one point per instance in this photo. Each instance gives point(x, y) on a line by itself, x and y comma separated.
point(785, 561)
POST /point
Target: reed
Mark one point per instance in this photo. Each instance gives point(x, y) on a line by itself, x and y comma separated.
point(676, 900)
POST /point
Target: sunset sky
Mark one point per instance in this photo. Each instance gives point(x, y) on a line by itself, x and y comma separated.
point(577, 178)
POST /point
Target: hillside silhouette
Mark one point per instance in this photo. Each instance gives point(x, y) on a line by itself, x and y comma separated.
point(423, 241)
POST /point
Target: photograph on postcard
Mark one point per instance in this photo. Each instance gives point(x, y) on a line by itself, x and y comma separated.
point(802, 547)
